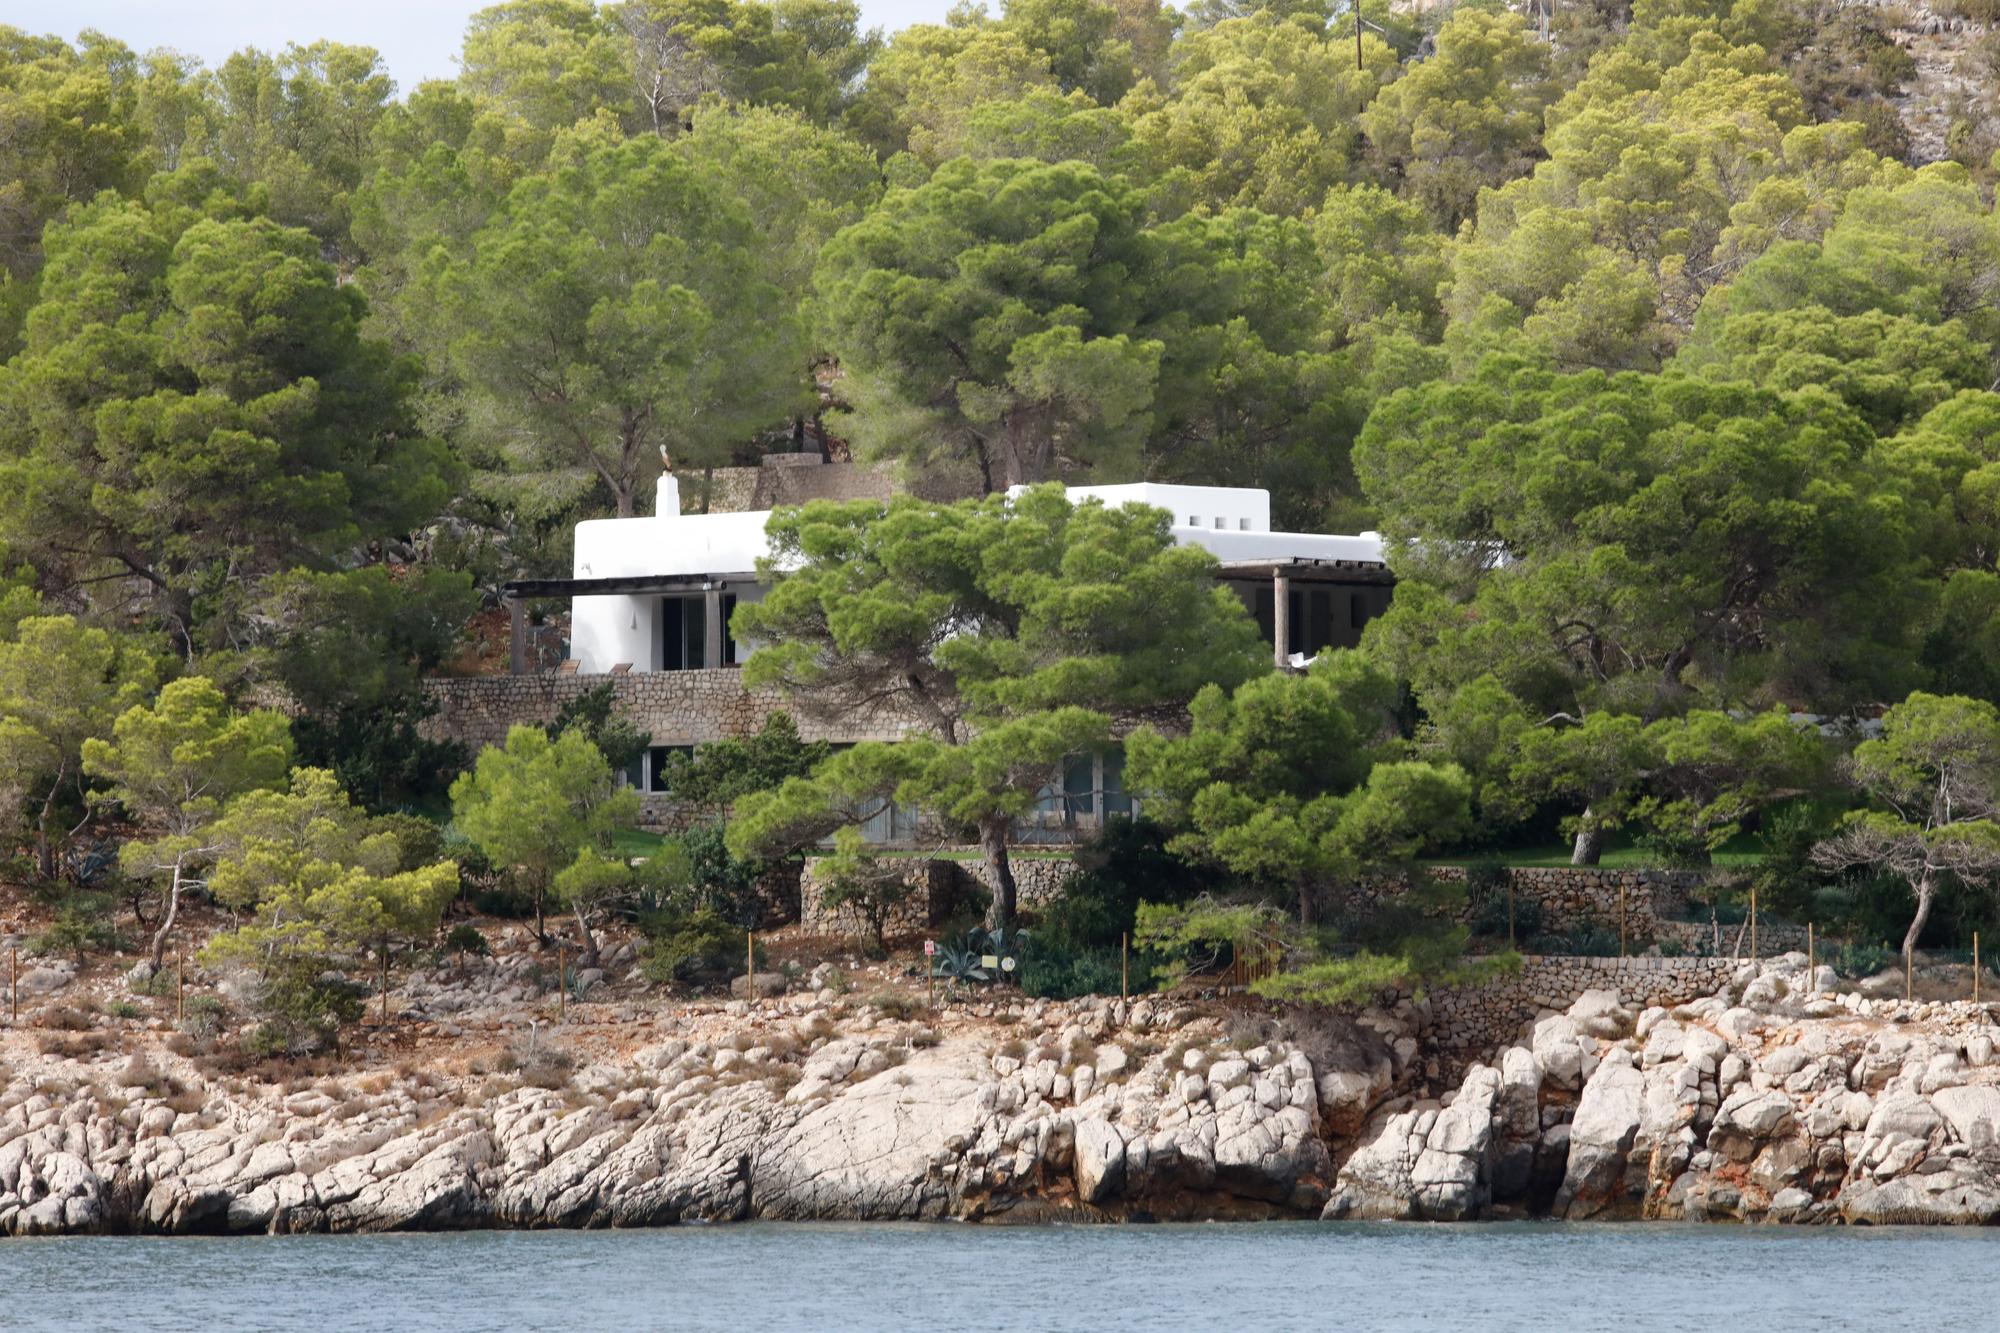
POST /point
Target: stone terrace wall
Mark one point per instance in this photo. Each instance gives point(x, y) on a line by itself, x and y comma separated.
point(1568, 896)
point(937, 892)
point(942, 886)
point(677, 707)
point(1473, 1021)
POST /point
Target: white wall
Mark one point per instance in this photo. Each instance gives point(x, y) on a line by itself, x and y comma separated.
point(603, 632)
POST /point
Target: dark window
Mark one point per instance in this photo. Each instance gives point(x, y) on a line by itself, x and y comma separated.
point(683, 633)
point(728, 640)
point(1322, 621)
point(1261, 607)
point(1117, 801)
point(1357, 610)
point(656, 765)
point(1080, 786)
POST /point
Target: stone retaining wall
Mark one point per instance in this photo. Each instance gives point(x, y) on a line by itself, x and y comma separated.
point(1569, 897)
point(1474, 1021)
point(942, 886)
point(677, 707)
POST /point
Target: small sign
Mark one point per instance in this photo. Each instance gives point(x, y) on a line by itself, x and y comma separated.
point(930, 948)
point(989, 960)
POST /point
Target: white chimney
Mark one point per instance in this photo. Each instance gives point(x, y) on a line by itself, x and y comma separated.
point(667, 501)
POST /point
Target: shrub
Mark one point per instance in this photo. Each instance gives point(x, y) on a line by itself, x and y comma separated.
point(1864, 960)
point(464, 940)
point(1125, 862)
point(698, 946)
point(82, 926)
point(1586, 941)
point(1047, 975)
point(1491, 918)
point(305, 1007)
point(202, 1015)
point(893, 1004)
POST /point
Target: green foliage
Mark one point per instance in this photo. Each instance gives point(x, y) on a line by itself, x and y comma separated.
point(1013, 630)
point(1125, 862)
point(195, 408)
point(719, 774)
point(304, 1008)
point(537, 802)
point(987, 317)
point(1863, 960)
point(82, 926)
point(1204, 933)
point(589, 712)
point(610, 310)
point(171, 766)
point(853, 879)
point(699, 946)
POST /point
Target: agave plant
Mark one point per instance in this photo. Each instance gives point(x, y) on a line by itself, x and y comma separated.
point(966, 960)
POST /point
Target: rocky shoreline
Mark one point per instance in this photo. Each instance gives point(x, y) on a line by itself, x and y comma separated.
point(1774, 1101)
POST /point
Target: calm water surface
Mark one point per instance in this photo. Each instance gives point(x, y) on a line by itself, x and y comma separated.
point(1295, 1275)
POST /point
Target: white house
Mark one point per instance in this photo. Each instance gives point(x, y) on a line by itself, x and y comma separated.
point(656, 594)
point(651, 599)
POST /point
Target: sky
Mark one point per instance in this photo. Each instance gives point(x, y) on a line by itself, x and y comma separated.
point(418, 39)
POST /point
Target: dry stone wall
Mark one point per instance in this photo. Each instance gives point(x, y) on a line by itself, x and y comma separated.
point(1470, 1022)
point(677, 707)
point(941, 887)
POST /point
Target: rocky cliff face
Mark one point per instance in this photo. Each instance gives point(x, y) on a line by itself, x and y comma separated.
point(787, 1109)
point(1766, 1102)
point(1773, 1101)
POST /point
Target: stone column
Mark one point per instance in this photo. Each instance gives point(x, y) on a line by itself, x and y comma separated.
point(517, 637)
point(1281, 619)
point(711, 650)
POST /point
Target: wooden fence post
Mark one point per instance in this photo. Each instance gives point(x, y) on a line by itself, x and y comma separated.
point(1812, 968)
point(14, 986)
point(1621, 918)
point(562, 984)
point(1753, 923)
point(1975, 967)
point(385, 985)
point(1125, 966)
point(749, 965)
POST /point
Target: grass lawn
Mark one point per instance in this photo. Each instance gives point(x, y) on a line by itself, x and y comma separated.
point(1739, 852)
point(635, 842)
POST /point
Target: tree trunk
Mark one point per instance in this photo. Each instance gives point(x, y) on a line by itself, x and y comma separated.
point(1589, 842)
point(541, 926)
point(1926, 888)
point(167, 923)
point(588, 958)
point(1308, 906)
point(993, 841)
point(45, 847)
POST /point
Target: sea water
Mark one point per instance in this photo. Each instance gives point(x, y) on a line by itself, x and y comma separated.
point(945, 1277)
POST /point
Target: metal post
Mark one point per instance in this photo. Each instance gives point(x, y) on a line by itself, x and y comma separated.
point(562, 984)
point(1753, 924)
point(749, 965)
point(517, 637)
point(1281, 620)
point(1812, 965)
point(1621, 918)
point(1125, 966)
